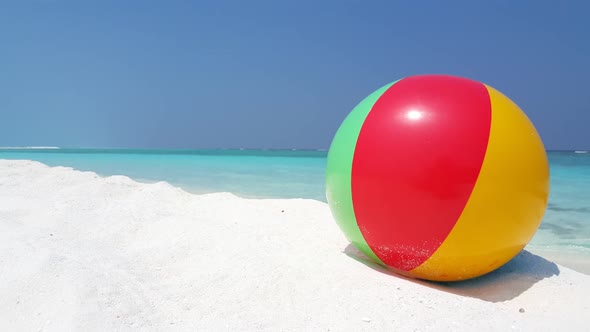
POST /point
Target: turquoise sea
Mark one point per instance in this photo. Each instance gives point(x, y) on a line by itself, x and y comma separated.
point(300, 174)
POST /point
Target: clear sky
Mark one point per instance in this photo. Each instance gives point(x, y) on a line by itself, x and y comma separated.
point(275, 73)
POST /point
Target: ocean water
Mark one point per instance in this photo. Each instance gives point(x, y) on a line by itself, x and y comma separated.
point(300, 174)
point(246, 173)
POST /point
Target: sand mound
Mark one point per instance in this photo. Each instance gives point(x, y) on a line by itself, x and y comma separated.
point(87, 253)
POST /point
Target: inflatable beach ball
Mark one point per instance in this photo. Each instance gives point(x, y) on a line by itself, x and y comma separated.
point(438, 177)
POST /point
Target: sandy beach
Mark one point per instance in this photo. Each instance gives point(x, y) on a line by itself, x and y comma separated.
point(80, 252)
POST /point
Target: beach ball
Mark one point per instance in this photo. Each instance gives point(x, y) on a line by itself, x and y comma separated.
point(437, 177)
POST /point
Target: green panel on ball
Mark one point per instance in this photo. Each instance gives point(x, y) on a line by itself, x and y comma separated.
point(339, 170)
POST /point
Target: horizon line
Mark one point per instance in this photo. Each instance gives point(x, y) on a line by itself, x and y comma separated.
point(203, 148)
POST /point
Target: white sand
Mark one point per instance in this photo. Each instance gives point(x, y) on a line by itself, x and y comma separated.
point(83, 253)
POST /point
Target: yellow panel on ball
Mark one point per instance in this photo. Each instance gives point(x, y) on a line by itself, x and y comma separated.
point(506, 206)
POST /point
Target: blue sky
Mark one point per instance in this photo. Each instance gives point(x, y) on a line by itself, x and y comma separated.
point(272, 74)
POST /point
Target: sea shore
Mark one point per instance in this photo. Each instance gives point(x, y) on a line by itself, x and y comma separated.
point(88, 253)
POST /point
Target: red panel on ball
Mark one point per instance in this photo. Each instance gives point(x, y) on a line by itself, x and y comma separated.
point(416, 161)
